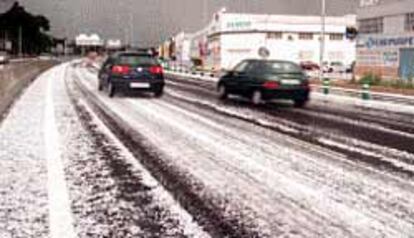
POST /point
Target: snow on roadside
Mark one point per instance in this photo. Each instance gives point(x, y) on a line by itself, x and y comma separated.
point(60, 214)
point(23, 177)
point(106, 178)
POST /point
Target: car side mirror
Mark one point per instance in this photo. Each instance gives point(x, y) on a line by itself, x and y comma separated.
point(239, 73)
point(229, 73)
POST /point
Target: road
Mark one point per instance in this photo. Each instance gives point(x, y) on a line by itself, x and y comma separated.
point(81, 164)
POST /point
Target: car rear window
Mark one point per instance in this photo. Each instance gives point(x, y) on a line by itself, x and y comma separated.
point(279, 67)
point(137, 60)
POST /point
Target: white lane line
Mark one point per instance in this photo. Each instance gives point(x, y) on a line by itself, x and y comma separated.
point(60, 216)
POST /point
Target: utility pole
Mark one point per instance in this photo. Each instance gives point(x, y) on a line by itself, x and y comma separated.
point(322, 43)
point(131, 27)
point(20, 41)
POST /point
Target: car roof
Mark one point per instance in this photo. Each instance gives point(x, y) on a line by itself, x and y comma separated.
point(130, 53)
point(270, 61)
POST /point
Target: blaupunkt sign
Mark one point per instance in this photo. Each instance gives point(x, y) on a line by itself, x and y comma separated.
point(372, 42)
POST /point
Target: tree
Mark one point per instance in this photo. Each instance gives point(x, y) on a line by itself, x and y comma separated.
point(17, 22)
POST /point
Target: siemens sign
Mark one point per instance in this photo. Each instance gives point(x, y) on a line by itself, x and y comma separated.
point(389, 42)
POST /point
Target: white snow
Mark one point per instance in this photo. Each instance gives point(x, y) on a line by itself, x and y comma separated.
point(367, 104)
point(290, 187)
point(189, 226)
point(60, 215)
point(384, 153)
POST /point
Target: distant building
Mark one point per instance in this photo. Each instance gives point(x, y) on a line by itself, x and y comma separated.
point(5, 43)
point(232, 37)
point(85, 43)
point(113, 44)
point(386, 38)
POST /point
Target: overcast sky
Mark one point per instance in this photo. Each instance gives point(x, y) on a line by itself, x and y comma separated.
point(155, 20)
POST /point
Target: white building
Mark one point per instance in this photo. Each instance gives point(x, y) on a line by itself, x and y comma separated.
point(113, 44)
point(386, 38)
point(231, 37)
point(92, 40)
point(182, 48)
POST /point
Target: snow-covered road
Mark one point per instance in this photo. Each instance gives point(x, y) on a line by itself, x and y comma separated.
point(64, 174)
point(188, 165)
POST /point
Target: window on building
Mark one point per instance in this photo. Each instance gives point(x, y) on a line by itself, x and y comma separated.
point(305, 36)
point(409, 21)
point(371, 26)
point(274, 35)
point(336, 36)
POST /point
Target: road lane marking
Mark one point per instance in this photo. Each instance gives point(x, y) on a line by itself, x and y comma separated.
point(60, 216)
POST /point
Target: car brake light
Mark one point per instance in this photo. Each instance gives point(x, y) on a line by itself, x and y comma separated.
point(155, 70)
point(271, 85)
point(120, 69)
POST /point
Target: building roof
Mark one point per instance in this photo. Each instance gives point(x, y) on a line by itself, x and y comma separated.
point(243, 22)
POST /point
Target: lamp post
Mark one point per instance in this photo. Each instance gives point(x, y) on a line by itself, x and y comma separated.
point(322, 43)
point(20, 41)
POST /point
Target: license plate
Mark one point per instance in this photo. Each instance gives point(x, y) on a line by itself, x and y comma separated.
point(290, 82)
point(139, 85)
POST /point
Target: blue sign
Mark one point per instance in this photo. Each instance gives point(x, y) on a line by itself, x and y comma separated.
point(389, 42)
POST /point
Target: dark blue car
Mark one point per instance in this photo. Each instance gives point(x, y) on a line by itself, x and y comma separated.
point(263, 80)
point(128, 71)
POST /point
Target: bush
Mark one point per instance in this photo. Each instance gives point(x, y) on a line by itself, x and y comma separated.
point(371, 79)
point(405, 84)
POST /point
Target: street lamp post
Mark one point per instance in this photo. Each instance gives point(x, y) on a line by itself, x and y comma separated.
point(20, 41)
point(322, 43)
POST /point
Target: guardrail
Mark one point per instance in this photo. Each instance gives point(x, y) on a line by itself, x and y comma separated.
point(359, 93)
point(192, 71)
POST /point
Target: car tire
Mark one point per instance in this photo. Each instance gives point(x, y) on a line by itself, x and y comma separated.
point(222, 92)
point(100, 86)
point(111, 90)
point(257, 97)
point(300, 103)
point(158, 93)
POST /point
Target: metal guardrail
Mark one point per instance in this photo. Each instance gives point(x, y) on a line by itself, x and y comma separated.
point(389, 97)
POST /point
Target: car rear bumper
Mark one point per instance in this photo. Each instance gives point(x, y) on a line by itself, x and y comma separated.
point(138, 84)
point(292, 94)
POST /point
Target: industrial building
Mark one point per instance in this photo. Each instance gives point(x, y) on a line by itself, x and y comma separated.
point(386, 38)
point(232, 37)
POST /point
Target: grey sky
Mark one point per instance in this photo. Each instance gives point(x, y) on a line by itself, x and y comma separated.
point(154, 20)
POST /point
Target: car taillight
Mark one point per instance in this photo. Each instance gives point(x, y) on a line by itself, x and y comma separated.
point(271, 85)
point(120, 69)
point(155, 70)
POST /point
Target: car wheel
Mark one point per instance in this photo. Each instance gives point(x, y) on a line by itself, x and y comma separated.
point(100, 86)
point(300, 103)
point(257, 97)
point(222, 92)
point(111, 89)
point(158, 93)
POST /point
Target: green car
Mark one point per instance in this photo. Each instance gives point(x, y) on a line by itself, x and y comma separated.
point(264, 80)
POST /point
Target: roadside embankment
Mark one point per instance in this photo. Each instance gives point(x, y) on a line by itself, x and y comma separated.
point(15, 77)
